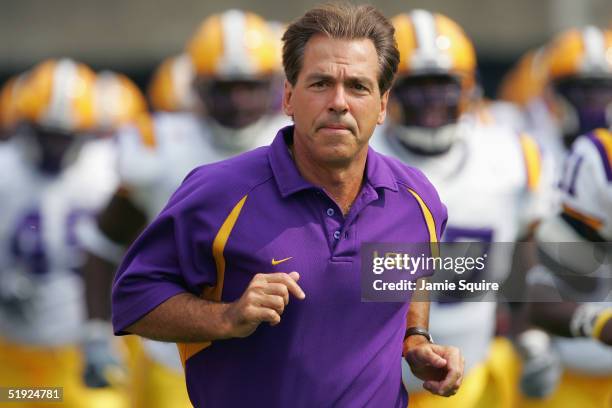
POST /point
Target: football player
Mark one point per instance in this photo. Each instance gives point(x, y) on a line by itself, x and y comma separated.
point(490, 178)
point(235, 60)
point(577, 96)
point(581, 274)
point(53, 173)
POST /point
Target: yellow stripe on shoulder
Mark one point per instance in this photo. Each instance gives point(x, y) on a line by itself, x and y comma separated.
point(431, 224)
point(533, 161)
point(187, 350)
point(605, 137)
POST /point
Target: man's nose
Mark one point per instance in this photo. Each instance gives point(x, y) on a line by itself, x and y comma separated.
point(338, 102)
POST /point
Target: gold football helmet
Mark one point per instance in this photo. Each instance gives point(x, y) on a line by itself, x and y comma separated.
point(234, 44)
point(170, 88)
point(59, 94)
point(117, 101)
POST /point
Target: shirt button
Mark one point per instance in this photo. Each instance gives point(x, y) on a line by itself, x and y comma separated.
point(337, 234)
point(330, 211)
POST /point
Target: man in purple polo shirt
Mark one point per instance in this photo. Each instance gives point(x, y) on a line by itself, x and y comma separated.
point(253, 267)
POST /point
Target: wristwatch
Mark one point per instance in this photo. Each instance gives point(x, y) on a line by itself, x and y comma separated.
point(411, 331)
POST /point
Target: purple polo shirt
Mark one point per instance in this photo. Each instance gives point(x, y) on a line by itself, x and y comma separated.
point(227, 222)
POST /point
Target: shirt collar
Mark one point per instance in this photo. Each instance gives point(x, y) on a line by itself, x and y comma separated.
point(378, 172)
point(289, 180)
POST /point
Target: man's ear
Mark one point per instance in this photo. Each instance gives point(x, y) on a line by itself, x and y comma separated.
point(287, 93)
point(384, 99)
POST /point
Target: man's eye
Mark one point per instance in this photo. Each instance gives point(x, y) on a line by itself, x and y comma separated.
point(320, 84)
point(360, 87)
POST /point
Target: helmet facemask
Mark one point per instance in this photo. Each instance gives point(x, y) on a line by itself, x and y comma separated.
point(235, 104)
point(584, 103)
point(51, 150)
point(429, 107)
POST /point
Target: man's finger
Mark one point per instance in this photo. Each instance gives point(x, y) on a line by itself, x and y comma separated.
point(455, 370)
point(287, 280)
point(269, 315)
point(277, 289)
point(273, 302)
point(435, 387)
point(427, 355)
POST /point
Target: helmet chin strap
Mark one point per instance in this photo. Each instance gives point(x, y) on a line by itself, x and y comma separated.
point(428, 141)
point(239, 139)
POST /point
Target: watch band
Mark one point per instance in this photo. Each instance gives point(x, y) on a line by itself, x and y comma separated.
point(411, 331)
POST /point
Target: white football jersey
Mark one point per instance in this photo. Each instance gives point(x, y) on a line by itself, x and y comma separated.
point(494, 184)
point(586, 194)
point(39, 249)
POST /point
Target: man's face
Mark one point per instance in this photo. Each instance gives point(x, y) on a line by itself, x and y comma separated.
point(336, 102)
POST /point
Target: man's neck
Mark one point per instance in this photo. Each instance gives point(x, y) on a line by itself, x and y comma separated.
point(342, 183)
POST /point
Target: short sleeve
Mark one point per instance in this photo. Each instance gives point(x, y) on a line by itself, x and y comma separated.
point(172, 255)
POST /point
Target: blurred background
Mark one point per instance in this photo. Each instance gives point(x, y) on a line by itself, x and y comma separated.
point(134, 36)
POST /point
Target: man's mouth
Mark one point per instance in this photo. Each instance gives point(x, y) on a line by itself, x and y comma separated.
point(335, 126)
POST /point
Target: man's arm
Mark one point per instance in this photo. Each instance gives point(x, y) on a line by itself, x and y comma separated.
point(117, 226)
point(184, 318)
point(568, 318)
point(440, 367)
point(187, 318)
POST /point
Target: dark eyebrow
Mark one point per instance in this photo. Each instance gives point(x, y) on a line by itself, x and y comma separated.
point(361, 80)
point(352, 79)
point(319, 77)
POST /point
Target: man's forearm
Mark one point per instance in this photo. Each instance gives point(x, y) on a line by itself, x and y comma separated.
point(418, 316)
point(570, 319)
point(554, 317)
point(184, 318)
point(98, 276)
point(418, 313)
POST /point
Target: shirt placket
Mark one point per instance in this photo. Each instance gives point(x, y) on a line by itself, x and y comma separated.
point(345, 246)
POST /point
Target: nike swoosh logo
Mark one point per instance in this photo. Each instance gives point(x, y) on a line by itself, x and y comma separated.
point(275, 262)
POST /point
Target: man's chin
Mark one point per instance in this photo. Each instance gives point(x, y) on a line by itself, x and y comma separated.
point(337, 157)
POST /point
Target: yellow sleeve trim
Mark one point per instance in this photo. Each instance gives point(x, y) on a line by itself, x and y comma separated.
point(431, 224)
point(533, 161)
point(603, 318)
point(213, 293)
point(589, 220)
